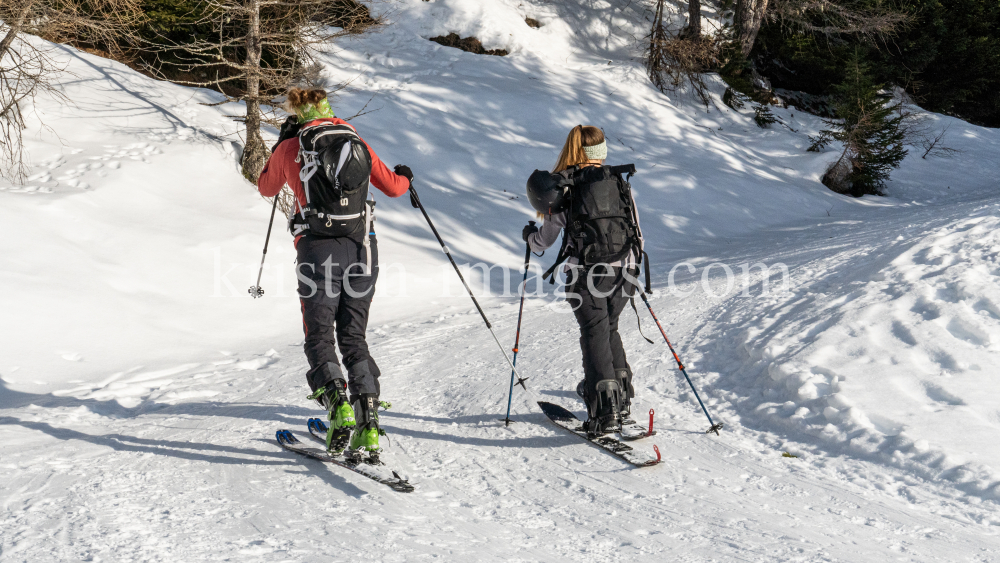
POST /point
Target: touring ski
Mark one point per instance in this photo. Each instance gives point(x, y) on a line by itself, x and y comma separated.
point(565, 419)
point(288, 441)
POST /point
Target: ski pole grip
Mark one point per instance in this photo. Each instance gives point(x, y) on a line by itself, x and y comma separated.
point(650, 433)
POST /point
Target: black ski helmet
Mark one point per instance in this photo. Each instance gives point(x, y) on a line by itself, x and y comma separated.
point(546, 193)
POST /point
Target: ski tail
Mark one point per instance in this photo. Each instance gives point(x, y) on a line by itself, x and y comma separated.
point(618, 448)
point(290, 442)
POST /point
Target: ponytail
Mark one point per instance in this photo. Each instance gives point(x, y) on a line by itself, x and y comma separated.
point(308, 104)
point(572, 152)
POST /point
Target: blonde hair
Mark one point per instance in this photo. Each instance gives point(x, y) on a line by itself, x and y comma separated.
point(298, 97)
point(572, 152)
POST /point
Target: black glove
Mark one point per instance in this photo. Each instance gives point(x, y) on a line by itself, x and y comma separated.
point(404, 171)
point(290, 128)
point(528, 230)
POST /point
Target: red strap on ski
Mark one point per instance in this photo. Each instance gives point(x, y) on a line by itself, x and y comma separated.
point(657, 450)
point(650, 433)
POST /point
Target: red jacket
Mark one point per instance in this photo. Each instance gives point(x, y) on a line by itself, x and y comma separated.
point(282, 169)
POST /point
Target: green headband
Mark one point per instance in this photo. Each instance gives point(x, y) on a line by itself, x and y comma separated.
point(310, 112)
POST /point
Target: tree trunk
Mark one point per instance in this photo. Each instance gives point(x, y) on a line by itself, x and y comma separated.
point(694, 19)
point(747, 19)
point(837, 177)
point(13, 28)
point(255, 152)
point(655, 63)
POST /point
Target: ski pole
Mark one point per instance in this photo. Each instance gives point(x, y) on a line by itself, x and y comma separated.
point(517, 337)
point(255, 291)
point(415, 199)
point(715, 427)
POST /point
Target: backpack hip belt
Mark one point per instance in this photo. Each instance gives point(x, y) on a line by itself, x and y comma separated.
point(300, 224)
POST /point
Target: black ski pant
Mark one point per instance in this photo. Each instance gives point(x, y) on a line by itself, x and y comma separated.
point(336, 293)
point(597, 313)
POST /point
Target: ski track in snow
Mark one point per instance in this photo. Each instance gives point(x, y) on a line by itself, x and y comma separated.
point(129, 436)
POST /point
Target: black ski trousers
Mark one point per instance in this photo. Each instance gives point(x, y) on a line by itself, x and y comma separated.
point(336, 294)
point(597, 313)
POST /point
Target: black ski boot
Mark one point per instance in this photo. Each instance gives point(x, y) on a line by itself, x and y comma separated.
point(624, 377)
point(604, 410)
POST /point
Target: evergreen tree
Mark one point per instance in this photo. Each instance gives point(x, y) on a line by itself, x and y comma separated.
point(947, 56)
point(950, 61)
point(871, 129)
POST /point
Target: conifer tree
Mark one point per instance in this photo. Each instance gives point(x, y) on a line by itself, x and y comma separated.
point(872, 130)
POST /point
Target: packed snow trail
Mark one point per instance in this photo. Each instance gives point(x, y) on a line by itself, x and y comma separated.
point(198, 479)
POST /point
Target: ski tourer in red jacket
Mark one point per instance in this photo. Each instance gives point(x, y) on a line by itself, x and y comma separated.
point(336, 282)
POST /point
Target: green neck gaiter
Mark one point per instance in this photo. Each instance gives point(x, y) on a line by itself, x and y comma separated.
point(310, 112)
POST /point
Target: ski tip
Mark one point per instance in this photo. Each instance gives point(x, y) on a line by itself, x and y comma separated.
point(285, 437)
point(316, 425)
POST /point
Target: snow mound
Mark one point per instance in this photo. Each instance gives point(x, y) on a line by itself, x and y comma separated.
point(886, 357)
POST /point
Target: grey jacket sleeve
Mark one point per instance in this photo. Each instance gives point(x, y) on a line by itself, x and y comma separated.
point(549, 233)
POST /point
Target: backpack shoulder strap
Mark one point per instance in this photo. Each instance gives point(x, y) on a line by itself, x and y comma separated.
point(560, 258)
point(308, 157)
point(626, 189)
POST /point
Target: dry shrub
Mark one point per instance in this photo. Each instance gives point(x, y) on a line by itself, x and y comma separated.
point(287, 203)
point(468, 44)
point(672, 61)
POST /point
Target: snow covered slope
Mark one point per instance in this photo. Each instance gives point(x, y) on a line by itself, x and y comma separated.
point(885, 348)
point(141, 386)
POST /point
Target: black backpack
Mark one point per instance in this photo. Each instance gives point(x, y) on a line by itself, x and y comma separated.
point(602, 223)
point(336, 169)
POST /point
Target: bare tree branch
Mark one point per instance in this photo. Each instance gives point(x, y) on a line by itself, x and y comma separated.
point(256, 51)
point(26, 68)
point(873, 24)
point(673, 59)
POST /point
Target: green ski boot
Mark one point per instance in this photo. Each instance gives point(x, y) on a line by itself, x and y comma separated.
point(364, 440)
point(339, 412)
